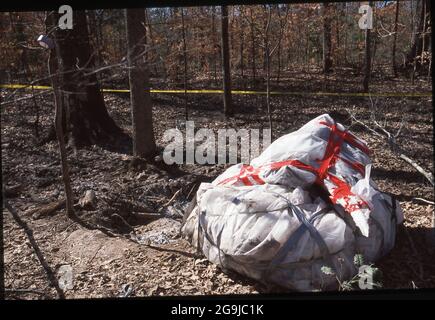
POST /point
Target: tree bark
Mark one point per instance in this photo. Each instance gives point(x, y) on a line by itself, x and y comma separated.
point(327, 61)
point(141, 109)
point(393, 56)
point(214, 55)
point(281, 25)
point(55, 70)
point(242, 47)
point(267, 57)
point(226, 63)
point(87, 119)
point(186, 111)
point(95, 32)
point(420, 41)
point(253, 49)
point(367, 58)
point(151, 42)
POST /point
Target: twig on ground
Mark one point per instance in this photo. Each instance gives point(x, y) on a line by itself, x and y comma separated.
point(191, 190)
point(46, 210)
point(172, 199)
point(394, 147)
point(417, 167)
point(424, 200)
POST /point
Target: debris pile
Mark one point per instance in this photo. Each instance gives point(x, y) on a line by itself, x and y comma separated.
point(305, 203)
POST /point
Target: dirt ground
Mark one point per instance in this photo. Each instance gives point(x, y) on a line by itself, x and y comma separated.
point(163, 263)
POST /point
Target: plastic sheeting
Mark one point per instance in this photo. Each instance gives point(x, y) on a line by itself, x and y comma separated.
point(306, 202)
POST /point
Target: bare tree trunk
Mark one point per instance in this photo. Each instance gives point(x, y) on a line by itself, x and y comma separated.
point(95, 32)
point(367, 59)
point(307, 50)
point(253, 49)
point(267, 51)
point(151, 42)
point(327, 61)
point(423, 36)
point(141, 108)
point(186, 111)
point(56, 71)
point(269, 110)
point(20, 41)
point(86, 115)
point(264, 43)
point(421, 40)
point(213, 31)
point(393, 57)
point(345, 38)
point(281, 24)
point(242, 45)
point(278, 75)
point(226, 63)
point(373, 56)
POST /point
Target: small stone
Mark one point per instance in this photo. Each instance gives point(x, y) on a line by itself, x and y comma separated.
point(141, 175)
point(88, 201)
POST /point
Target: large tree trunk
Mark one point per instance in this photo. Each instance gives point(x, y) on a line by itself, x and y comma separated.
point(152, 46)
point(186, 111)
point(422, 38)
point(226, 63)
point(268, 55)
point(253, 48)
point(141, 109)
point(327, 61)
point(393, 56)
point(95, 33)
point(214, 54)
point(20, 37)
point(367, 58)
point(242, 45)
point(86, 119)
point(281, 25)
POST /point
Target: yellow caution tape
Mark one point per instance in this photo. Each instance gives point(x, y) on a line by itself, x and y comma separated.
point(23, 86)
point(243, 92)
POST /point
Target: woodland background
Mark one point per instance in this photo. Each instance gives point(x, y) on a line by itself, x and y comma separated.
point(109, 209)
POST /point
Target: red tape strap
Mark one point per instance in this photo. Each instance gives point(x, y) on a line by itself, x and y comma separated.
point(249, 174)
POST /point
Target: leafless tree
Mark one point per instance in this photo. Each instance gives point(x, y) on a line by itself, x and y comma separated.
point(141, 108)
point(228, 110)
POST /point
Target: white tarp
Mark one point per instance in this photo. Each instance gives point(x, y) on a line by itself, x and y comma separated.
point(306, 202)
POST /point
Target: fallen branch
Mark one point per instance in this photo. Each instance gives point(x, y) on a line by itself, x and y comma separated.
point(426, 174)
point(424, 200)
point(394, 147)
point(146, 215)
point(46, 210)
point(49, 272)
point(172, 199)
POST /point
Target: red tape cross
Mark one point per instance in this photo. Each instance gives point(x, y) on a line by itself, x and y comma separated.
point(349, 138)
point(249, 174)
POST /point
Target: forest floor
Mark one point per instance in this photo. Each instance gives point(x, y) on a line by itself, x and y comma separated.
point(163, 263)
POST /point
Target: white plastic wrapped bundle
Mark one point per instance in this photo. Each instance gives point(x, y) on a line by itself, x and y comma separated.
point(266, 220)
